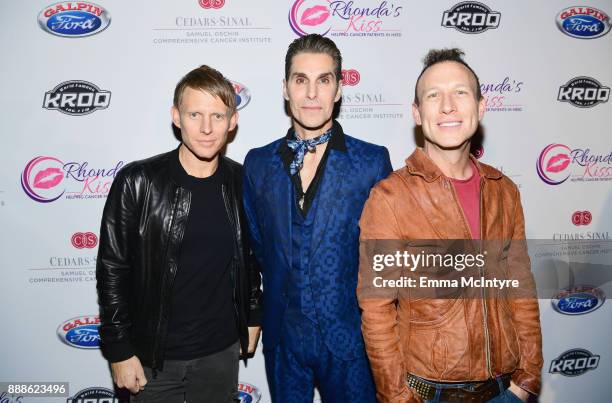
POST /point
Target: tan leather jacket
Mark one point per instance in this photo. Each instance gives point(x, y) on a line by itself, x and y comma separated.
point(448, 340)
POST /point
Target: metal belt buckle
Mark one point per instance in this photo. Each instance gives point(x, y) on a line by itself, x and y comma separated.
point(426, 391)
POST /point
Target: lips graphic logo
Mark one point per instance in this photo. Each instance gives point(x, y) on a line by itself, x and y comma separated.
point(41, 177)
point(557, 163)
point(315, 16)
point(310, 17)
point(553, 162)
point(48, 178)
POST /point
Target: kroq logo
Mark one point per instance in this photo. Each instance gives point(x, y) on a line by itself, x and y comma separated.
point(553, 163)
point(350, 77)
point(582, 218)
point(208, 4)
point(81, 240)
point(41, 177)
point(310, 17)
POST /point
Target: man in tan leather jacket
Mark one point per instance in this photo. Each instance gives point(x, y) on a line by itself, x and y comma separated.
point(479, 349)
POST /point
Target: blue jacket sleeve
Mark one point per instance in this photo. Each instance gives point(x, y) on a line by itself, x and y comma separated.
point(250, 210)
point(384, 167)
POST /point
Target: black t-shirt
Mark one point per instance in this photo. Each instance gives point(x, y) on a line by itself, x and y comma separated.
point(202, 314)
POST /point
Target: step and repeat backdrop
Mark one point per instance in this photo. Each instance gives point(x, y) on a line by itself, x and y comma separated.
point(87, 87)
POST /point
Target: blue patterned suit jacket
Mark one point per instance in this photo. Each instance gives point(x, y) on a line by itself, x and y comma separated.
point(345, 186)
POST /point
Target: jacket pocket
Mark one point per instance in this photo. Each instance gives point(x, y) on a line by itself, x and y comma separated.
point(432, 312)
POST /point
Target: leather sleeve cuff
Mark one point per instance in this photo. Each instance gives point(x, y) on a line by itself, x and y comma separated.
point(527, 381)
point(117, 351)
point(254, 318)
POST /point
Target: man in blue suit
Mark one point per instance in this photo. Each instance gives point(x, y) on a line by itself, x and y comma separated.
point(303, 196)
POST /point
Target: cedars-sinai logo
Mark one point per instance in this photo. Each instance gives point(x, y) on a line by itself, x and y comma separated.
point(46, 179)
point(557, 163)
point(82, 240)
point(350, 77)
point(320, 16)
point(208, 4)
point(582, 218)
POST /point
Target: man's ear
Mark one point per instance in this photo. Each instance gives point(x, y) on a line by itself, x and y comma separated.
point(233, 121)
point(285, 94)
point(176, 116)
point(338, 92)
point(416, 115)
point(482, 107)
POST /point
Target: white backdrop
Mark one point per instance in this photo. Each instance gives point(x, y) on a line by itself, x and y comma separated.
point(50, 207)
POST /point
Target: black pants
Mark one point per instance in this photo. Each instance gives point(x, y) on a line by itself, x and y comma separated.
point(213, 378)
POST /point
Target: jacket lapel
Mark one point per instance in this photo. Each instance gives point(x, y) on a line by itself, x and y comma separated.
point(280, 191)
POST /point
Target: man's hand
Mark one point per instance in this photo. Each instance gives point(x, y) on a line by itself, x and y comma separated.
point(129, 374)
point(518, 391)
point(253, 339)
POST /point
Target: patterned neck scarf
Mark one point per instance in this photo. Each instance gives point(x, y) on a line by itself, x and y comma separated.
point(300, 147)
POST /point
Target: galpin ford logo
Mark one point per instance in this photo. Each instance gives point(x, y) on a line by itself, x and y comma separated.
point(80, 332)
point(74, 19)
point(578, 300)
point(583, 22)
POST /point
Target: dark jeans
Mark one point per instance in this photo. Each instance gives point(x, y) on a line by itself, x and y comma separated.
point(213, 378)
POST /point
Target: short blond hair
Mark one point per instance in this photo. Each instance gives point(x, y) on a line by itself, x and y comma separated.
point(209, 80)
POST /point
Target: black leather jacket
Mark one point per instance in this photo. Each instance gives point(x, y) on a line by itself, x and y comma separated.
point(142, 228)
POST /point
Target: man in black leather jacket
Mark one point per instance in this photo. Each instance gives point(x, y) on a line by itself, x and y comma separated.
point(177, 286)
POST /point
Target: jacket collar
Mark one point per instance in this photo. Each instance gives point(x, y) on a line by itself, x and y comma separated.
point(419, 163)
point(336, 142)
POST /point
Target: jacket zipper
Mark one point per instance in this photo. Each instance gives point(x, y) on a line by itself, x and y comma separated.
point(233, 269)
point(484, 302)
point(159, 321)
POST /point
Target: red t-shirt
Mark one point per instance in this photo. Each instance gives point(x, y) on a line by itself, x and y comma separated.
point(468, 192)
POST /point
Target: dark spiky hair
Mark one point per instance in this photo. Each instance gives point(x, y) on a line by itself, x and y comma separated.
point(435, 56)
